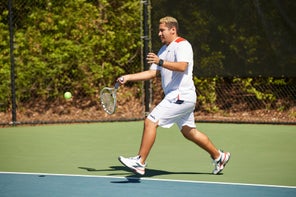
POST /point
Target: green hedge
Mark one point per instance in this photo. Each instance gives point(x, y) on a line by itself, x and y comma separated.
point(69, 45)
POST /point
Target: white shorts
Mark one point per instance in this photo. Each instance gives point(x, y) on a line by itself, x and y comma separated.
point(166, 113)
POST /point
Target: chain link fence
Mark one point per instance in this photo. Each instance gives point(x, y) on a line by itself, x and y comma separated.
point(250, 100)
point(243, 100)
point(75, 46)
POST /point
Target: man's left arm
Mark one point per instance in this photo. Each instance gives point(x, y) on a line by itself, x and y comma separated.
point(152, 58)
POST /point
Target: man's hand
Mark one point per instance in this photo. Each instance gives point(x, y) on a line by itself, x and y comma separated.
point(152, 58)
point(121, 80)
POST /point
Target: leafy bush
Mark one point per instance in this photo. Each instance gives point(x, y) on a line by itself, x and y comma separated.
point(206, 93)
point(70, 45)
point(4, 63)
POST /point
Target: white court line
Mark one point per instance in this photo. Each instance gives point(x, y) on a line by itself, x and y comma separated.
point(149, 179)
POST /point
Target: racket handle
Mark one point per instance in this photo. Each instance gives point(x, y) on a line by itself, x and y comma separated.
point(116, 85)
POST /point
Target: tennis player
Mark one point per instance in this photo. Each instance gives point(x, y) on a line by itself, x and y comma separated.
point(174, 62)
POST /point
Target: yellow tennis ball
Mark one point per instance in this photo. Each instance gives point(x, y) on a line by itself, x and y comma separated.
point(67, 95)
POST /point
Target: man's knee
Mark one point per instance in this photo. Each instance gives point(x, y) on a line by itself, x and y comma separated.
point(149, 123)
point(188, 132)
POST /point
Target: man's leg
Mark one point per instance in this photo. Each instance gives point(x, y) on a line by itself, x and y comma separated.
point(148, 139)
point(220, 158)
point(137, 163)
point(201, 140)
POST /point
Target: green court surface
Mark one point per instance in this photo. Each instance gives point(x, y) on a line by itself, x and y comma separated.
point(261, 154)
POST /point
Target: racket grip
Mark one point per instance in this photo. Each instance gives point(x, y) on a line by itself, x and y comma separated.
point(116, 85)
point(119, 80)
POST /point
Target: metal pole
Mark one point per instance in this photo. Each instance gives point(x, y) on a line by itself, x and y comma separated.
point(12, 65)
point(145, 52)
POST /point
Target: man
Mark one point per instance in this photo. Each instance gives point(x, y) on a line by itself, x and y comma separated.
point(174, 62)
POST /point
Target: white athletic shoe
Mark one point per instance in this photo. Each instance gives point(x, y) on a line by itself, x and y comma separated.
point(221, 162)
point(134, 164)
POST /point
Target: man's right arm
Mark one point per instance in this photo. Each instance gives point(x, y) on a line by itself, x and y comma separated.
point(141, 76)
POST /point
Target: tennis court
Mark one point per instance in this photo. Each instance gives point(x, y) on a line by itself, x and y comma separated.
point(81, 160)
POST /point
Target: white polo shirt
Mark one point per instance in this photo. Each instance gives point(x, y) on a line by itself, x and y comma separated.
point(177, 85)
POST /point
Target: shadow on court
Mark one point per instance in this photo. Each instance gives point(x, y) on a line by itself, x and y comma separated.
point(149, 172)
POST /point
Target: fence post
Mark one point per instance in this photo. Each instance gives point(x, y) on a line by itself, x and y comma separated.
point(12, 65)
point(146, 38)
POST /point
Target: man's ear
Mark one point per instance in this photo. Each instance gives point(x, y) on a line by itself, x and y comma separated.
point(173, 30)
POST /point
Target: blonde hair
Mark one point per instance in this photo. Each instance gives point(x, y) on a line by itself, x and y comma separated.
point(170, 22)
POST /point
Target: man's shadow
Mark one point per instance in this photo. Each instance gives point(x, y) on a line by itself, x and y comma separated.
point(134, 178)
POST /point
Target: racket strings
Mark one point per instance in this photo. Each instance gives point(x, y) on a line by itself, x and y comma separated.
point(108, 101)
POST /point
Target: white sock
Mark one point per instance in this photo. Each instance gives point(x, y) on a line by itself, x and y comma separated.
point(219, 156)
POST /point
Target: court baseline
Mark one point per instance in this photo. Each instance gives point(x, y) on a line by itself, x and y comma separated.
point(43, 184)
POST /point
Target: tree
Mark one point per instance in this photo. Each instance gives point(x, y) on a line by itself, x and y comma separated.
point(4, 62)
point(235, 38)
point(75, 45)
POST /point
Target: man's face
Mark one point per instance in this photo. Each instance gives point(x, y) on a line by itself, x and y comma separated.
point(165, 34)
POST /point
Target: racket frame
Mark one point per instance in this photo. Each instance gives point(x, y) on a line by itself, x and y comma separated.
point(113, 93)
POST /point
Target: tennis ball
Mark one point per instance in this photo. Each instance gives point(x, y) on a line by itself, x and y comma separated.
point(67, 95)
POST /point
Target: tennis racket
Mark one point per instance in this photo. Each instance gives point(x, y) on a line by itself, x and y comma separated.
point(108, 98)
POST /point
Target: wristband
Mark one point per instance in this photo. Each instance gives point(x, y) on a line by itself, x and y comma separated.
point(160, 63)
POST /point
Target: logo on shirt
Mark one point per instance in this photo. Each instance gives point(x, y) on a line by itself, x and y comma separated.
point(152, 116)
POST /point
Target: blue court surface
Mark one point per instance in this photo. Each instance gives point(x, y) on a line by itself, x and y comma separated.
point(45, 185)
